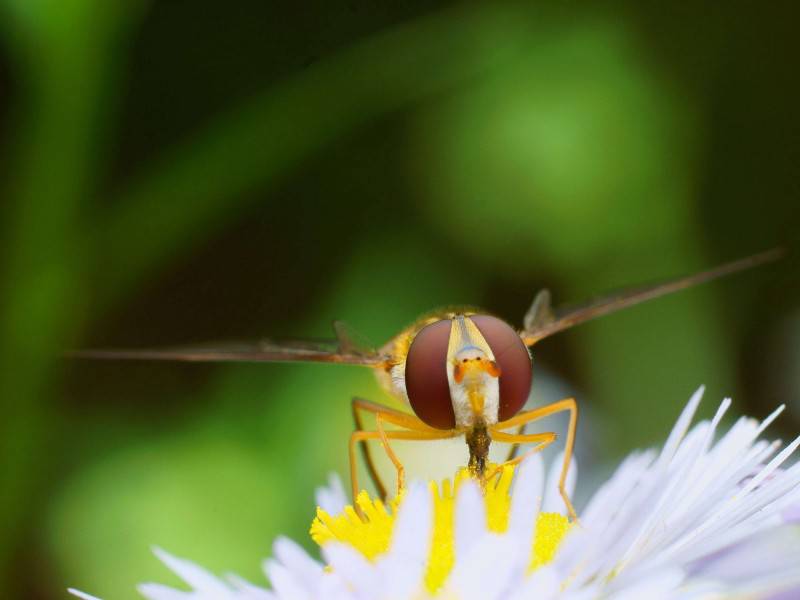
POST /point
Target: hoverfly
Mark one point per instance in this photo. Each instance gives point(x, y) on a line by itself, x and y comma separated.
point(461, 370)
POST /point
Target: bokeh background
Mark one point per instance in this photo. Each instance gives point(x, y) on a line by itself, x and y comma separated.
point(176, 171)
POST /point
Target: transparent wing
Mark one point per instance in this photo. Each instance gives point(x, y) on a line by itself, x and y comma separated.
point(541, 321)
point(341, 350)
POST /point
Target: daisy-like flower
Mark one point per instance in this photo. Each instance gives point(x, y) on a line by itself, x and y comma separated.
point(698, 519)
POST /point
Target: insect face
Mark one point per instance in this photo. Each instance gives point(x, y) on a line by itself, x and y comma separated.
point(467, 368)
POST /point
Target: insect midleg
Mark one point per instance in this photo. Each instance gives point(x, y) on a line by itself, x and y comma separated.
point(384, 436)
point(389, 415)
point(539, 413)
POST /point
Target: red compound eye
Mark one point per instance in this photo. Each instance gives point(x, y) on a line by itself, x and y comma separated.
point(426, 370)
point(514, 361)
point(426, 376)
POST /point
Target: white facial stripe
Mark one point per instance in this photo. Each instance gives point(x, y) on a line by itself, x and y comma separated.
point(466, 341)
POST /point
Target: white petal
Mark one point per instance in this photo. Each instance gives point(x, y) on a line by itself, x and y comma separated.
point(772, 416)
point(681, 426)
point(765, 564)
point(526, 498)
point(248, 590)
point(197, 577)
point(792, 514)
point(156, 591)
point(470, 517)
point(303, 567)
point(333, 587)
point(285, 582)
point(331, 498)
point(484, 572)
point(553, 502)
point(773, 464)
point(355, 570)
point(655, 586)
point(81, 594)
point(545, 583)
point(405, 563)
point(413, 524)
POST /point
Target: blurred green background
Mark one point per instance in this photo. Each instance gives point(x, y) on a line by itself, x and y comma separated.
point(176, 172)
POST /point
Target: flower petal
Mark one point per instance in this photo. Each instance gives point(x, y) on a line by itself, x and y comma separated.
point(331, 498)
point(290, 554)
point(197, 577)
point(553, 502)
point(527, 497)
point(470, 516)
point(485, 571)
point(81, 594)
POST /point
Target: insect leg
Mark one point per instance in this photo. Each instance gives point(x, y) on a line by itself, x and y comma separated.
point(401, 471)
point(384, 436)
point(512, 452)
point(388, 415)
point(542, 440)
point(365, 453)
point(539, 413)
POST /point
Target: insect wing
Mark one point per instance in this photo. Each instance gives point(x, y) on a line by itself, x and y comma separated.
point(350, 341)
point(540, 314)
point(342, 350)
point(541, 322)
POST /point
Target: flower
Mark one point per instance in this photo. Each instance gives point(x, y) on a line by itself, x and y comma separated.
point(699, 519)
point(371, 534)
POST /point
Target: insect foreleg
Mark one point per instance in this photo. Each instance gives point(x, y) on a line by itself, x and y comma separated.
point(528, 416)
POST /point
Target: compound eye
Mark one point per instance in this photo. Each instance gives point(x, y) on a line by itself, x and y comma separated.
point(426, 376)
point(514, 361)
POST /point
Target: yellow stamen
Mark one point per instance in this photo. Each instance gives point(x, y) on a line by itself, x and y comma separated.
point(372, 535)
point(550, 530)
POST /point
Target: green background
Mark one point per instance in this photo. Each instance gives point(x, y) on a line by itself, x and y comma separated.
point(175, 172)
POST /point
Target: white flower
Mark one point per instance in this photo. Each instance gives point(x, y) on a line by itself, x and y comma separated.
point(699, 519)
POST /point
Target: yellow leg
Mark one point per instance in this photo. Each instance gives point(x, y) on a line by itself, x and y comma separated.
point(542, 440)
point(528, 416)
point(401, 471)
point(384, 436)
point(512, 452)
point(390, 415)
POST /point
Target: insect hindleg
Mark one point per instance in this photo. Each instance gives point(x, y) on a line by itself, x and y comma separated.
point(528, 416)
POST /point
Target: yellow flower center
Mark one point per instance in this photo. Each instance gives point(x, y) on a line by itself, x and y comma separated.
point(372, 534)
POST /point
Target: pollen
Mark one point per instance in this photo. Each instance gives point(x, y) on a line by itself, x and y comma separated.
point(369, 535)
point(371, 532)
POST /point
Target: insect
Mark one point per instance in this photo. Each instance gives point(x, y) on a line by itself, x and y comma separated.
point(462, 371)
